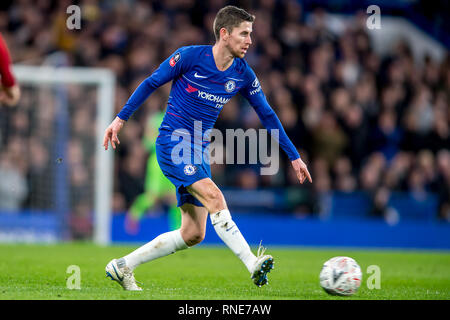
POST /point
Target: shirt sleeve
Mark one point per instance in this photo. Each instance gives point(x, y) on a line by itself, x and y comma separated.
point(175, 65)
point(254, 94)
point(6, 74)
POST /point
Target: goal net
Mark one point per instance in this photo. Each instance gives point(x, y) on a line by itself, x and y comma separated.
point(55, 178)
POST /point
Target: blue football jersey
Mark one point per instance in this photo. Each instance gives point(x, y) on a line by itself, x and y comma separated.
point(200, 91)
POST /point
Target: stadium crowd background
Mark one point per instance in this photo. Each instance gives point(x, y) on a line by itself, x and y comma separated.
point(360, 120)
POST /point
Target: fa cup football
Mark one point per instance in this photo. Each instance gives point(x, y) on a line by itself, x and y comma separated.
point(340, 276)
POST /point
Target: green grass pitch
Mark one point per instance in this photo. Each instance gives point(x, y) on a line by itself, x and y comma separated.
point(214, 273)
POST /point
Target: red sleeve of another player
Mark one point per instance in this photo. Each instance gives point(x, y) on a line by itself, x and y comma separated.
point(7, 77)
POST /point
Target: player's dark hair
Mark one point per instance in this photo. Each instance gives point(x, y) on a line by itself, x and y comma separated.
point(230, 17)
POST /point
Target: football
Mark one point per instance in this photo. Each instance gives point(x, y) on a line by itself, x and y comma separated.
point(340, 276)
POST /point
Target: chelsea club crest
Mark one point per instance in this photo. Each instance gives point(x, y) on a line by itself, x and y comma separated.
point(230, 85)
point(189, 169)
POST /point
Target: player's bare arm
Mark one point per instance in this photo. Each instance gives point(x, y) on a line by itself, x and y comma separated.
point(111, 133)
point(301, 170)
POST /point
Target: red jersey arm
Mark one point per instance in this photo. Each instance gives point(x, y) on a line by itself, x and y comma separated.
point(7, 78)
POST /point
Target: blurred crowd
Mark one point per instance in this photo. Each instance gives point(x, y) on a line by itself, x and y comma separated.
point(361, 121)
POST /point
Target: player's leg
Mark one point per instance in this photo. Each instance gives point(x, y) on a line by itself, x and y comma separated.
point(193, 223)
point(192, 232)
point(121, 270)
point(207, 192)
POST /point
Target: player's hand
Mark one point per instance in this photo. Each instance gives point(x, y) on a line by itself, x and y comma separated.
point(10, 95)
point(131, 224)
point(111, 133)
point(301, 170)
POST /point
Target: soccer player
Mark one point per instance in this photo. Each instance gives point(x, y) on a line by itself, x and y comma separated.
point(204, 78)
point(156, 186)
point(9, 89)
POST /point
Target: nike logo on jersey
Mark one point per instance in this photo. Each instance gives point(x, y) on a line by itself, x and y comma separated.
point(199, 76)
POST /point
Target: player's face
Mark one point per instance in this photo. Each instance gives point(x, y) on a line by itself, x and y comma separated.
point(239, 40)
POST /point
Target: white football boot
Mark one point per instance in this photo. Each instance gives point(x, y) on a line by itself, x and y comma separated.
point(124, 276)
point(263, 265)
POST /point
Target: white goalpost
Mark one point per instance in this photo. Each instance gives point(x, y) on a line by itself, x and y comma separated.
point(103, 83)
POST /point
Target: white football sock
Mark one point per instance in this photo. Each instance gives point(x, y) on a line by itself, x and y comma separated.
point(161, 246)
point(228, 231)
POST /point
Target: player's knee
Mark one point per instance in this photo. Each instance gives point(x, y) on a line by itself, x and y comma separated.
point(215, 200)
point(213, 194)
point(193, 237)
